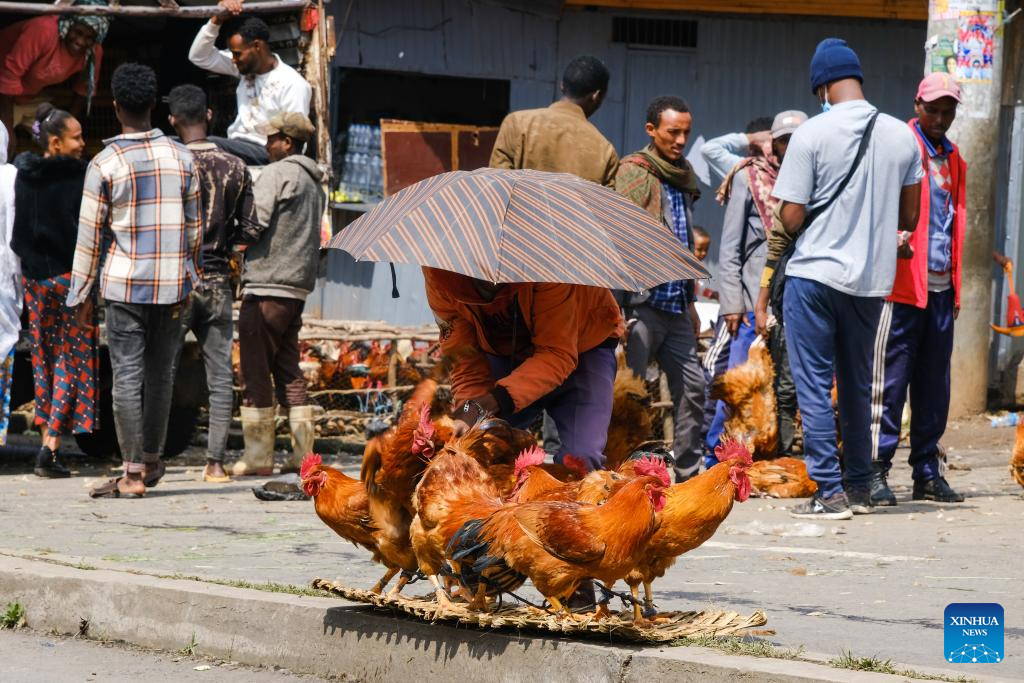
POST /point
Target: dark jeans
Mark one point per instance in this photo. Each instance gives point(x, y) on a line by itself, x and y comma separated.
point(669, 338)
point(268, 336)
point(785, 390)
point(208, 314)
point(581, 407)
point(144, 341)
point(251, 153)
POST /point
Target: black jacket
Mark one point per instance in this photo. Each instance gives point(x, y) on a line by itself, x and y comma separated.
point(47, 198)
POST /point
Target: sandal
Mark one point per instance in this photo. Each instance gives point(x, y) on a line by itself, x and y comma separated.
point(108, 489)
point(153, 478)
point(210, 479)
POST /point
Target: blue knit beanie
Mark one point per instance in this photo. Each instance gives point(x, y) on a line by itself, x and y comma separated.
point(834, 60)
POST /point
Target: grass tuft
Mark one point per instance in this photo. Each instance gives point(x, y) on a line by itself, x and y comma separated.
point(848, 660)
point(753, 647)
point(13, 616)
point(190, 649)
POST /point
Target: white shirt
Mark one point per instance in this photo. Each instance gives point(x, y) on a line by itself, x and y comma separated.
point(851, 246)
point(282, 89)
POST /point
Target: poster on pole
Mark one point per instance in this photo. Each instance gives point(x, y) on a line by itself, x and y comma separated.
point(942, 10)
point(975, 54)
point(943, 57)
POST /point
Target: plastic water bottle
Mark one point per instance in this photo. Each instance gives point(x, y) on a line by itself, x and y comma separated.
point(1008, 420)
point(362, 173)
point(376, 179)
point(376, 139)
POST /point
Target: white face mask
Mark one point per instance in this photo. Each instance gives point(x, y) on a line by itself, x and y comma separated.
point(826, 105)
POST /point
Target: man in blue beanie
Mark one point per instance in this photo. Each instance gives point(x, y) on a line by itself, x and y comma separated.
point(843, 204)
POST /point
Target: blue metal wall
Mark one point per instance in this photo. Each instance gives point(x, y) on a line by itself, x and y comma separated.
point(743, 67)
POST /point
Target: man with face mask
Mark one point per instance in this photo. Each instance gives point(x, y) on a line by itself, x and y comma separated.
point(850, 181)
point(266, 85)
point(924, 303)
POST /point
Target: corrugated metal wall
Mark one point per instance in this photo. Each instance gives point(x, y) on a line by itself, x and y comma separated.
point(742, 68)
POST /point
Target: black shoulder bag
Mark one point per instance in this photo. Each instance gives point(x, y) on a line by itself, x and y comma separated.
point(778, 284)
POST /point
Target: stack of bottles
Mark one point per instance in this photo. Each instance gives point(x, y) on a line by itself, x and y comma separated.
point(362, 179)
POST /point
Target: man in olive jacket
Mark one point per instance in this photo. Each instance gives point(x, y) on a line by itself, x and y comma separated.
point(280, 271)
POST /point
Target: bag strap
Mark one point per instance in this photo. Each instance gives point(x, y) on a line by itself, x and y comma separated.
point(861, 149)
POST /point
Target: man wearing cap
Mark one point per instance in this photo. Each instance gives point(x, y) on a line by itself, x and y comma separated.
point(841, 269)
point(746, 193)
point(924, 303)
point(280, 271)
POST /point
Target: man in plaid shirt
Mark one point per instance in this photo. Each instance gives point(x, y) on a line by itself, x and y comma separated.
point(141, 208)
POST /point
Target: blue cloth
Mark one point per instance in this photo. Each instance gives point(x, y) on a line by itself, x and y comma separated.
point(917, 354)
point(940, 208)
point(831, 334)
point(714, 363)
point(834, 60)
point(672, 296)
point(738, 352)
point(581, 407)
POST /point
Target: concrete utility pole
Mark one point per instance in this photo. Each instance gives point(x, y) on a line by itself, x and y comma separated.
point(976, 132)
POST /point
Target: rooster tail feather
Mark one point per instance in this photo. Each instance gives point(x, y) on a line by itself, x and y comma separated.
point(371, 464)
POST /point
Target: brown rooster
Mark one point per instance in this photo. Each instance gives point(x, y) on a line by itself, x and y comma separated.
point(631, 421)
point(1017, 461)
point(392, 464)
point(781, 478)
point(558, 545)
point(693, 511)
point(495, 444)
point(534, 483)
point(454, 490)
point(341, 503)
point(748, 391)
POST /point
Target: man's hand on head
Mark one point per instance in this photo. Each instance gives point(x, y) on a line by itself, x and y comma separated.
point(760, 144)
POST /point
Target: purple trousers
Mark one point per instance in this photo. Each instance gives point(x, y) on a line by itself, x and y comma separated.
point(581, 407)
point(917, 353)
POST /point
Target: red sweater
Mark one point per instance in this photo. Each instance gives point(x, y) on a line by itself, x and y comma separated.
point(911, 284)
point(32, 58)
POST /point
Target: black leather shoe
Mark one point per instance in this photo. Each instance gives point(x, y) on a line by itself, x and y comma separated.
point(937, 489)
point(859, 500)
point(48, 466)
point(881, 494)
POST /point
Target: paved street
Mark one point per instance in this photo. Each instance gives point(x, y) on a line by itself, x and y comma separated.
point(32, 657)
point(875, 585)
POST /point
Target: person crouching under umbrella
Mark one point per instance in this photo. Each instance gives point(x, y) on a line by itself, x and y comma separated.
point(517, 349)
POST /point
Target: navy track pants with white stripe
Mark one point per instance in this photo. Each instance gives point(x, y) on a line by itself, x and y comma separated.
point(917, 353)
point(832, 334)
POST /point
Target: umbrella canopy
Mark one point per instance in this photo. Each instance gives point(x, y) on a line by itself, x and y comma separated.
point(521, 226)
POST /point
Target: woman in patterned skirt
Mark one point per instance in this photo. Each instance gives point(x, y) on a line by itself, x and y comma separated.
point(48, 193)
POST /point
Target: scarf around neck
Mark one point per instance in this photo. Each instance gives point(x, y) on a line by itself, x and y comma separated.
point(761, 174)
point(679, 175)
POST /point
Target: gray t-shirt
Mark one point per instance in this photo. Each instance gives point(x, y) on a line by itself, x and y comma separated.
point(851, 246)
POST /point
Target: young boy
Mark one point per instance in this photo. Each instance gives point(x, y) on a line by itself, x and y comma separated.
point(701, 247)
point(280, 272)
point(924, 303)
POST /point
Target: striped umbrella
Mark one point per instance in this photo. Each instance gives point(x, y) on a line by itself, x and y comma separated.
point(521, 226)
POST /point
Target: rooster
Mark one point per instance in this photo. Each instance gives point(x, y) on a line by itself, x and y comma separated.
point(534, 483)
point(557, 545)
point(631, 417)
point(495, 444)
point(692, 513)
point(748, 391)
point(341, 503)
point(454, 490)
point(392, 464)
point(781, 478)
point(1017, 461)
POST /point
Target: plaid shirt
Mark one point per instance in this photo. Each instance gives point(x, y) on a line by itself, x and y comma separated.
point(141, 208)
point(673, 296)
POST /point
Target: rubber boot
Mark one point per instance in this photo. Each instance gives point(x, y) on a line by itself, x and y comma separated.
point(258, 429)
point(301, 423)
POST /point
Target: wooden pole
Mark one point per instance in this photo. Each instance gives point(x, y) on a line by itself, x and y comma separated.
point(194, 12)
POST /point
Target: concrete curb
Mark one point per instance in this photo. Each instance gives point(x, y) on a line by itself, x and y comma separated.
point(324, 636)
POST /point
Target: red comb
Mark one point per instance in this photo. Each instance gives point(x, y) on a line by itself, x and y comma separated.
point(309, 463)
point(732, 449)
point(576, 465)
point(651, 466)
point(528, 458)
point(423, 437)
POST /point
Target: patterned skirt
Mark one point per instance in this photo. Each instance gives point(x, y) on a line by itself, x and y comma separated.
point(64, 359)
point(6, 371)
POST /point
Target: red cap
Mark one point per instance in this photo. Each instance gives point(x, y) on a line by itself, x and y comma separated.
point(938, 85)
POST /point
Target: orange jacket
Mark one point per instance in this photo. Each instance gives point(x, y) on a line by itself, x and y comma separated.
point(559, 322)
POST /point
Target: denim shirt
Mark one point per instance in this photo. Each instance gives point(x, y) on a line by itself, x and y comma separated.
point(940, 218)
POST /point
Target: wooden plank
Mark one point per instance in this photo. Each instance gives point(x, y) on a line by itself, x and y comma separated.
point(909, 10)
point(192, 12)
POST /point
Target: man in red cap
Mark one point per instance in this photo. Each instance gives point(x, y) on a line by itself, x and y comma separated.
point(924, 303)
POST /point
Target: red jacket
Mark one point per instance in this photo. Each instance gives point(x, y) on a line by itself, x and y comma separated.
point(911, 284)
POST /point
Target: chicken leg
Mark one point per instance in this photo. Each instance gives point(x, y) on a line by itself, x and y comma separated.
point(443, 601)
point(402, 580)
point(388, 575)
